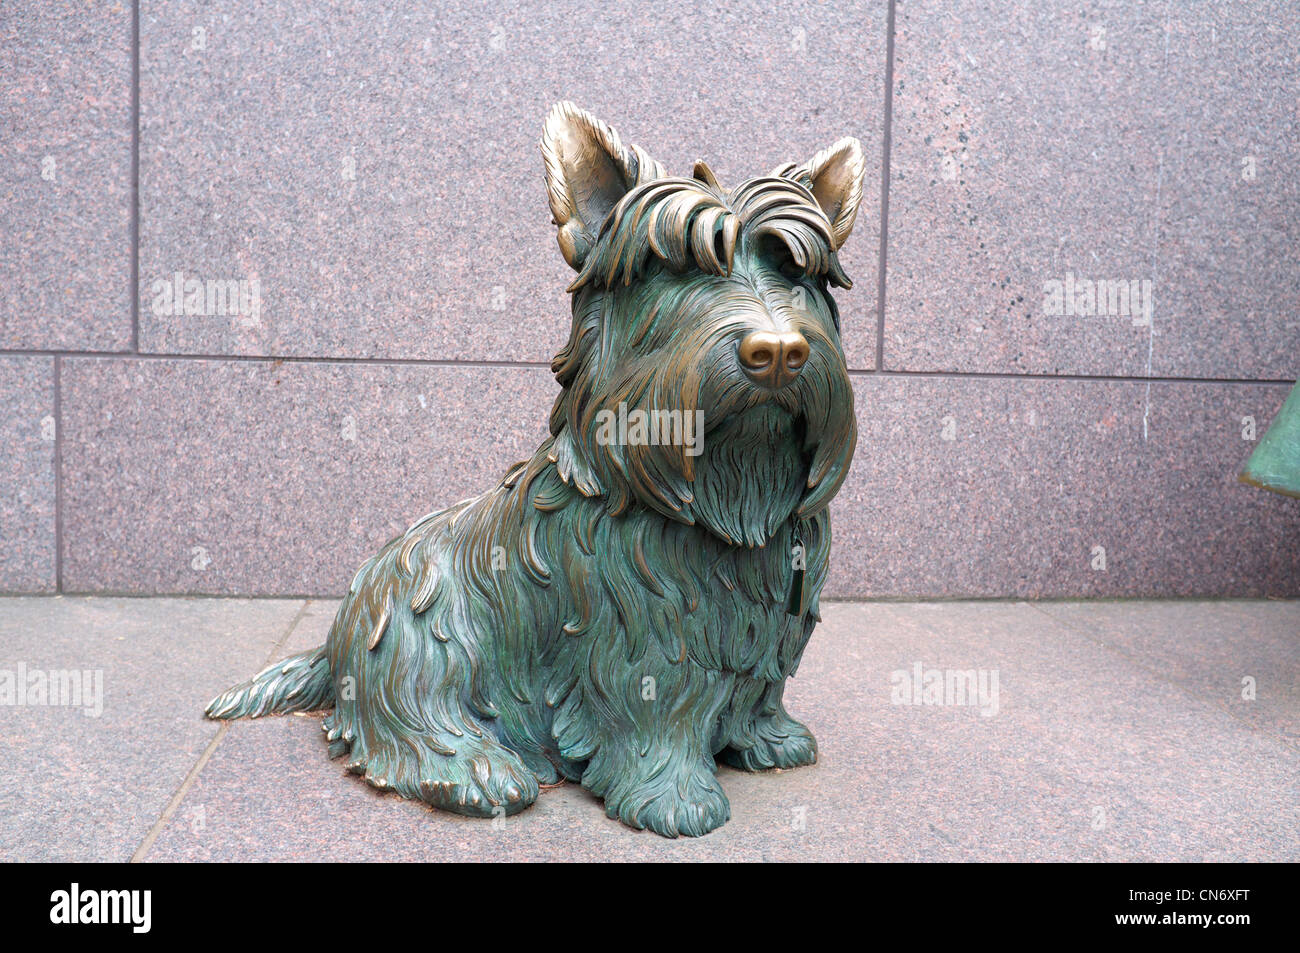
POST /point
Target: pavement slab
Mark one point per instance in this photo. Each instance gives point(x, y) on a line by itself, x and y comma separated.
point(1093, 749)
point(84, 787)
point(1092, 731)
point(1239, 656)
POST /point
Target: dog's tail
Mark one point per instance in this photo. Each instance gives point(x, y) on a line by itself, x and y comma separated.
point(301, 682)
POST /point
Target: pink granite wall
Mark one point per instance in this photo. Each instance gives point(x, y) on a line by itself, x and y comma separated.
point(372, 171)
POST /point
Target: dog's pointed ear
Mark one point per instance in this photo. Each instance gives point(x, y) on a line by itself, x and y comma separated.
point(834, 177)
point(587, 171)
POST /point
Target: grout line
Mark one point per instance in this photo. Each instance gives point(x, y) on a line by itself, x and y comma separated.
point(135, 176)
point(58, 474)
point(886, 149)
point(1155, 267)
point(276, 359)
point(172, 805)
point(532, 365)
point(185, 594)
point(1111, 378)
point(875, 600)
point(1141, 662)
point(1026, 376)
point(193, 775)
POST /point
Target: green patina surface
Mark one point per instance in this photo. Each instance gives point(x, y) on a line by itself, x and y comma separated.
point(1275, 464)
point(624, 608)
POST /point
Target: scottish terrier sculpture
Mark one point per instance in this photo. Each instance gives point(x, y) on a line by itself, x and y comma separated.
point(624, 607)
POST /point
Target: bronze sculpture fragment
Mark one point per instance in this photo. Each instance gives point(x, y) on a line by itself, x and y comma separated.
point(1275, 464)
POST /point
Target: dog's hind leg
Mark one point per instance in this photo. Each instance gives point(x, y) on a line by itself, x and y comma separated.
point(480, 777)
point(455, 768)
point(410, 714)
point(767, 737)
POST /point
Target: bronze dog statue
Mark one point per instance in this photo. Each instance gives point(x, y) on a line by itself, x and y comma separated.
point(625, 606)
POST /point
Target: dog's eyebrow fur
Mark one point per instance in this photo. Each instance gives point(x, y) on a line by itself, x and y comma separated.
point(688, 222)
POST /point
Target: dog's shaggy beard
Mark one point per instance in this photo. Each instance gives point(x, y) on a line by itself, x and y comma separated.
point(765, 455)
point(769, 456)
point(751, 475)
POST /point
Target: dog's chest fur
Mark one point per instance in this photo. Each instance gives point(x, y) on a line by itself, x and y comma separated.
point(729, 592)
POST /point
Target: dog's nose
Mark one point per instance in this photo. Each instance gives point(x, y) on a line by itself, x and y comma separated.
point(773, 358)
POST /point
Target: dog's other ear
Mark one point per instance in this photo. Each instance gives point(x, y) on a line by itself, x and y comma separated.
point(587, 171)
point(834, 176)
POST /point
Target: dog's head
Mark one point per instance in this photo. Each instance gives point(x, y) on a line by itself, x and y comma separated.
point(704, 376)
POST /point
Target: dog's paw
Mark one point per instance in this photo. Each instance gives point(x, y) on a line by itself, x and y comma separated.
point(484, 783)
point(781, 742)
point(689, 807)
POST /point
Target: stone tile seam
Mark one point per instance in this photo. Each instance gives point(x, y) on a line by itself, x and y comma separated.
point(135, 177)
point(885, 149)
point(192, 776)
point(543, 365)
point(57, 463)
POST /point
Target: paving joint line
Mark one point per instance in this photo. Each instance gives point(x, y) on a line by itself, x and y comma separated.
point(887, 139)
point(193, 774)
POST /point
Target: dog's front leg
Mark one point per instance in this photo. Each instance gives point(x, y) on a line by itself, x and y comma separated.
point(648, 730)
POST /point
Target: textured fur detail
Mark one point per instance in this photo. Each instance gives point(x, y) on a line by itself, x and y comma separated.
point(299, 683)
point(622, 615)
point(582, 609)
